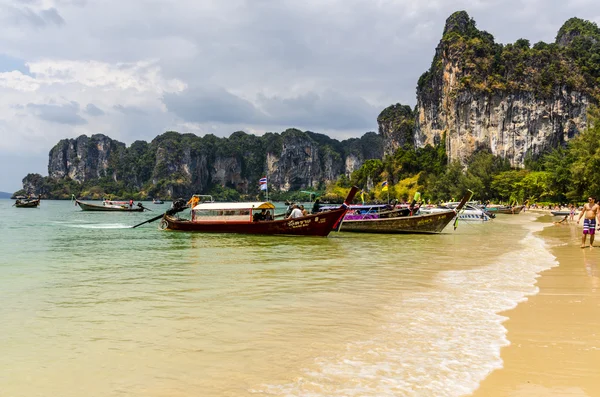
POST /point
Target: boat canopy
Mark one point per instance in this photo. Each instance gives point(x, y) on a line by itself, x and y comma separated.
point(235, 206)
point(355, 207)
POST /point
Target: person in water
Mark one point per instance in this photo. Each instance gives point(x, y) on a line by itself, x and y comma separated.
point(590, 210)
point(562, 221)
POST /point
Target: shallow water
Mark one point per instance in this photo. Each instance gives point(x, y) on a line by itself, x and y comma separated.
point(92, 306)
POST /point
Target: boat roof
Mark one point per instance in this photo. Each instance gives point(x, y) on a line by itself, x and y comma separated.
point(236, 206)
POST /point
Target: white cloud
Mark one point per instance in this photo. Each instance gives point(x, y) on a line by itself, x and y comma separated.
point(63, 99)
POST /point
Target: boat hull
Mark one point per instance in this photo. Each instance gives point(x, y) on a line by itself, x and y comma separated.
point(320, 224)
point(28, 204)
point(417, 224)
point(511, 211)
point(95, 207)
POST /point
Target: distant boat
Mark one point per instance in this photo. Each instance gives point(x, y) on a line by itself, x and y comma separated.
point(510, 209)
point(157, 201)
point(27, 203)
point(112, 206)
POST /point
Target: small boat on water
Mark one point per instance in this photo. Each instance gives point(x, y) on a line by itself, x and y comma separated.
point(513, 210)
point(247, 218)
point(430, 223)
point(470, 213)
point(27, 203)
point(562, 213)
point(157, 201)
point(109, 205)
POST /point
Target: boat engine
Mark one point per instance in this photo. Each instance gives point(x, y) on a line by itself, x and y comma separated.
point(177, 206)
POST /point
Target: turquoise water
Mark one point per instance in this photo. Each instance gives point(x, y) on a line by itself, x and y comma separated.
point(91, 306)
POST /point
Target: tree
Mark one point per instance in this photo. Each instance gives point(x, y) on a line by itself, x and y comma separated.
point(507, 185)
point(585, 150)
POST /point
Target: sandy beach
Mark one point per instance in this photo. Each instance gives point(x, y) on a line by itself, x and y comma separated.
point(555, 335)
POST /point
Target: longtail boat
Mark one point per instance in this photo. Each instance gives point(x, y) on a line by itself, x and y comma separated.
point(426, 223)
point(240, 218)
point(469, 213)
point(27, 203)
point(113, 206)
point(510, 210)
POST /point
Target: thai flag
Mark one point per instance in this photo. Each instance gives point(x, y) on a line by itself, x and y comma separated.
point(263, 183)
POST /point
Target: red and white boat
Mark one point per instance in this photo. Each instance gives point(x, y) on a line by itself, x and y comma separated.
point(238, 218)
point(109, 205)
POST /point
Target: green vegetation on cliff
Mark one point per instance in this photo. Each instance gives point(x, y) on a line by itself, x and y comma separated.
point(486, 66)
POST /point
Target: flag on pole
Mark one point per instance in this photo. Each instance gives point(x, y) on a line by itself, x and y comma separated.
point(263, 183)
point(384, 186)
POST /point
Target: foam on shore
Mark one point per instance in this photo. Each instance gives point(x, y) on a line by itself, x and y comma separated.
point(442, 341)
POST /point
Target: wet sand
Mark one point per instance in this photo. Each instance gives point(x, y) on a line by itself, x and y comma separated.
point(555, 335)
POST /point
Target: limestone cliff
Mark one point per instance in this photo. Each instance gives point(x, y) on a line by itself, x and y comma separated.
point(178, 165)
point(396, 127)
point(84, 158)
point(514, 100)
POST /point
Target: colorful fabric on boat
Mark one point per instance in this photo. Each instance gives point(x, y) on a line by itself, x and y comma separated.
point(589, 226)
point(193, 201)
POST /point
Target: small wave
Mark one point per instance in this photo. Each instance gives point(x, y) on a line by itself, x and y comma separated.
point(99, 226)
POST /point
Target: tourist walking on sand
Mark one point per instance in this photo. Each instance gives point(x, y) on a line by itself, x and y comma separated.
point(590, 210)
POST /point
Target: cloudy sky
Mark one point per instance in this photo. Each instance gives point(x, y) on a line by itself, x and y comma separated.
point(132, 69)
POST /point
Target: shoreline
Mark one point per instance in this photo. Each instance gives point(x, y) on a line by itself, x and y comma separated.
point(554, 335)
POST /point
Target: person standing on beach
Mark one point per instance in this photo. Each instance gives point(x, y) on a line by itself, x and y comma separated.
point(590, 210)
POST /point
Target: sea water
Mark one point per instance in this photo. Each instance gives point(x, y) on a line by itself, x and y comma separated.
point(93, 307)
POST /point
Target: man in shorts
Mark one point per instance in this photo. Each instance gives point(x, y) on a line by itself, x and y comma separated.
point(590, 210)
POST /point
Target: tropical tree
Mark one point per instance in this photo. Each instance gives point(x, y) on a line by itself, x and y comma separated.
point(585, 151)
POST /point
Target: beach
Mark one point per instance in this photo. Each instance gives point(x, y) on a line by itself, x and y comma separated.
point(555, 335)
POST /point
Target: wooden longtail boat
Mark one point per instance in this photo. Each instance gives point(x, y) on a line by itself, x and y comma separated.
point(31, 203)
point(510, 210)
point(427, 223)
point(238, 218)
point(113, 206)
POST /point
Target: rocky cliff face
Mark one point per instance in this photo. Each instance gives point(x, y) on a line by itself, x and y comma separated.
point(513, 100)
point(177, 165)
point(84, 158)
point(510, 125)
point(396, 127)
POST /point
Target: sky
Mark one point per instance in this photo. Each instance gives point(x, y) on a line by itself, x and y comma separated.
point(133, 69)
